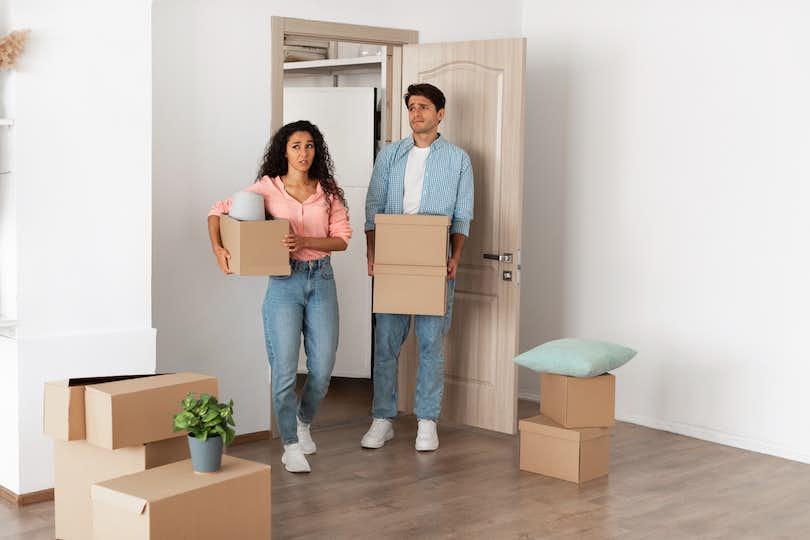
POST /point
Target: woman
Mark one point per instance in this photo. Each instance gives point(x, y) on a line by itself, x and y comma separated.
point(297, 183)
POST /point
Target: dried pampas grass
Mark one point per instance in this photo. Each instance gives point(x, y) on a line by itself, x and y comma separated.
point(10, 48)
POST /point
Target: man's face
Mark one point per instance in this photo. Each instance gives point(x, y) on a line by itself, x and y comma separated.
point(423, 115)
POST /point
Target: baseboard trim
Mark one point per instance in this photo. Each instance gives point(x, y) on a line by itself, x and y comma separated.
point(246, 438)
point(26, 498)
point(704, 434)
point(719, 437)
point(8, 495)
point(36, 497)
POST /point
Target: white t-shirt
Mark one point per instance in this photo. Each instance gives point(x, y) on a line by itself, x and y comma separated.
point(414, 179)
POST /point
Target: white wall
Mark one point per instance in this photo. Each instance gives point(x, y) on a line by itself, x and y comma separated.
point(211, 122)
point(668, 165)
point(10, 448)
point(9, 389)
point(8, 217)
point(82, 169)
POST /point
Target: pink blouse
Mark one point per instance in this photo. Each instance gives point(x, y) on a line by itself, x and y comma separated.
point(313, 217)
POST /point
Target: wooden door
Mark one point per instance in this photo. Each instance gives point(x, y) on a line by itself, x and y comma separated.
point(484, 85)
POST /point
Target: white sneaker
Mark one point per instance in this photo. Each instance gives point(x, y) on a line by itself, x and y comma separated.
point(305, 439)
point(381, 430)
point(427, 439)
point(294, 459)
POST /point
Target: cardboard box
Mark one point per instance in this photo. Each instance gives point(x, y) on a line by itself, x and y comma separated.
point(575, 402)
point(575, 455)
point(174, 502)
point(255, 246)
point(137, 411)
point(411, 240)
point(410, 264)
point(63, 407)
point(78, 465)
point(413, 290)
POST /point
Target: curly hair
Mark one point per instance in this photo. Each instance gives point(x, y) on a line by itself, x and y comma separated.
point(322, 169)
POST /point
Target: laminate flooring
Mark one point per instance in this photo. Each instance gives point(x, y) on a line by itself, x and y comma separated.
point(660, 486)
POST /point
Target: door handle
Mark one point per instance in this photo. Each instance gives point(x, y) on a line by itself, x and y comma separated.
point(506, 257)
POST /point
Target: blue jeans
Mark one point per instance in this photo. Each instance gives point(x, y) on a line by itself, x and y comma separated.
point(389, 335)
point(304, 302)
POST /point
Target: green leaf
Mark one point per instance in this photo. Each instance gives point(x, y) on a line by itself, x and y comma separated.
point(183, 420)
point(229, 435)
point(189, 401)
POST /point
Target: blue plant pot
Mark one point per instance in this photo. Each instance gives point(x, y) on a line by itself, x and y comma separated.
point(206, 456)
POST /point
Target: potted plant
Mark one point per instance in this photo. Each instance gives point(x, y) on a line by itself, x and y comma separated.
point(208, 423)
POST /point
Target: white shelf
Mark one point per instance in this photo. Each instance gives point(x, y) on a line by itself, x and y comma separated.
point(6, 122)
point(8, 323)
point(333, 63)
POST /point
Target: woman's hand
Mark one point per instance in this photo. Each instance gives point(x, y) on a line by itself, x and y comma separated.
point(223, 259)
point(293, 242)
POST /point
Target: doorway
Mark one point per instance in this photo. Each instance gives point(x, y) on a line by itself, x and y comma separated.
point(343, 78)
point(484, 84)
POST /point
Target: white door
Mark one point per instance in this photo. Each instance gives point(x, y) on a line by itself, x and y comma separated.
point(484, 85)
point(345, 116)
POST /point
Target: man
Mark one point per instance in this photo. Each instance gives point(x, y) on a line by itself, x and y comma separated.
point(421, 174)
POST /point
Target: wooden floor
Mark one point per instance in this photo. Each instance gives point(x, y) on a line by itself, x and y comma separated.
point(661, 486)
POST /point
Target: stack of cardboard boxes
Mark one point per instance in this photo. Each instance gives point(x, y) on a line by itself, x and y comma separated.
point(570, 439)
point(410, 264)
point(109, 427)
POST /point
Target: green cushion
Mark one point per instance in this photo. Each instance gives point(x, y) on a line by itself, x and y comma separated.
point(575, 357)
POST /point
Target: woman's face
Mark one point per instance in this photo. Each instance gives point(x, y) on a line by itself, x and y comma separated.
point(300, 151)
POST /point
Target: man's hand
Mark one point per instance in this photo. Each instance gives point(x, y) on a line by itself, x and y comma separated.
point(452, 267)
point(370, 260)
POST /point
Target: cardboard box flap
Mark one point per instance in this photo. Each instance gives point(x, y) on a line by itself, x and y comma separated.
point(171, 480)
point(63, 411)
point(545, 426)
point(140, 384)
point(412, 219)
point(397, 269)
point(123, 501)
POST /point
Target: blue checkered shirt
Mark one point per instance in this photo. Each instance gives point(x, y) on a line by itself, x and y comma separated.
point(447, 189)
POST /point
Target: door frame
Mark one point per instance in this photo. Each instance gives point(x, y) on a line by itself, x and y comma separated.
point(393, 38)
